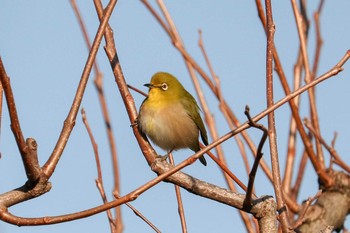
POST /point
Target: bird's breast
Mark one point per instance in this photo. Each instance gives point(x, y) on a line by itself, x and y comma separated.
point(169, 126)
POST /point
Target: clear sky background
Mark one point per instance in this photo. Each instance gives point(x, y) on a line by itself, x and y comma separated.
point(44, 54)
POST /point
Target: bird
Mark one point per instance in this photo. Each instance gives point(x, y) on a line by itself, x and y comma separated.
point(170, 116)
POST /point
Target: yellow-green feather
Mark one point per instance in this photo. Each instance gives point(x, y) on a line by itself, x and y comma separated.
point(174, 104)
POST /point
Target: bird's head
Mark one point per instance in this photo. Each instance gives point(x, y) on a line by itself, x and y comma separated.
point(165, 86)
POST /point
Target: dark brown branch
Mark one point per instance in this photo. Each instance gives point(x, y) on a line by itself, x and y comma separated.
point(259, 155)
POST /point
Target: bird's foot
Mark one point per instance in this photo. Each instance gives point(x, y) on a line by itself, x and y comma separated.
point(163, 157)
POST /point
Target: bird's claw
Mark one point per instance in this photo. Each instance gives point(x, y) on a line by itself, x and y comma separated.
point(163, 157)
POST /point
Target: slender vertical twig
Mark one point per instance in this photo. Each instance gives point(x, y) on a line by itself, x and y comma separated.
point(292, 136)
point(300, 22)
point(319, 40)
point(99, 180)
point(11, 105)
point(28, 148)
point(180, 206)
point(300, 175)
point(281, 208)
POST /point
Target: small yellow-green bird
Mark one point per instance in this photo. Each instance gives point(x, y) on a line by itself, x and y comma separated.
point(170, 117)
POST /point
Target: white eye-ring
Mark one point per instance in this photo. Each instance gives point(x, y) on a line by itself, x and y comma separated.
point(164, 86)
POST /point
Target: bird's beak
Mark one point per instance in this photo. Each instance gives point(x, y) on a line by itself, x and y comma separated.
point(148, 85)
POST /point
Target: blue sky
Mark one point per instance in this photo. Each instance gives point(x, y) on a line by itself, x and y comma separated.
point(42, 48)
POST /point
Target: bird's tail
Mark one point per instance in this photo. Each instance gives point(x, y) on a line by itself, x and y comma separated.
point(202, 160)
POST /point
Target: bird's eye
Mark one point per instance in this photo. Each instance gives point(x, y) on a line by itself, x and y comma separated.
point(164, 86)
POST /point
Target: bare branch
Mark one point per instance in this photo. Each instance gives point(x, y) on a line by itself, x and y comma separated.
point(180, 207)
point(331, 150)
point(259, 155)
point(99, 180)
point(277, 184)
point(307, 143)
point(301, 22)
point(68, 125)
point(15, 125)
point(98, 81)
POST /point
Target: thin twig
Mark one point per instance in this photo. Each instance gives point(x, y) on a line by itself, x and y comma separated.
point(180, 207)
point(221, 161)
point(52, 162)
point(137, 90)
point(139, 214)
point(98, 81)
point(28, 148)
point(319, 40)
point(259, 155)
point(222, 108)
point(300, 175)
point(10, 100)
point(306, 206)
point(291, 150)
point(277, 184)
point(225, 169)
point(331, 150)
point(300, 21)
point(99, 180)
point(295, 112)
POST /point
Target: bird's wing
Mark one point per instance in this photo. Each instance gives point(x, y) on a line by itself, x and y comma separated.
point(193, 111)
